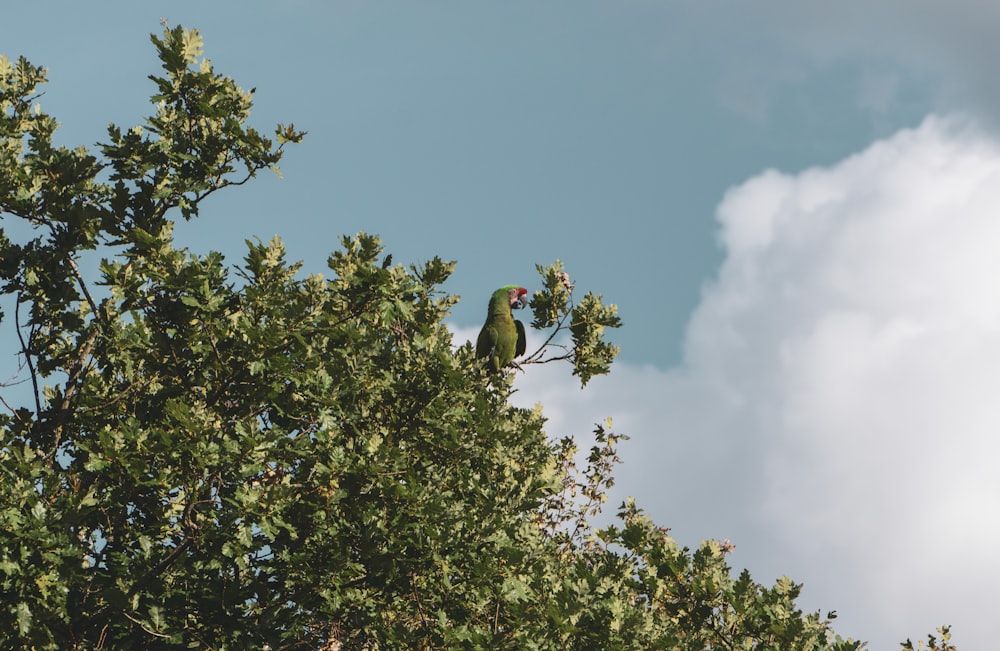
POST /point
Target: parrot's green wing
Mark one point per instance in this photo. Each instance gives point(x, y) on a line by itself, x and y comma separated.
point(522, 340)
point(486, 341)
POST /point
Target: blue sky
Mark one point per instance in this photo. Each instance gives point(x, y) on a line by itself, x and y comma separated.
point(500, 134)
point(783, 199)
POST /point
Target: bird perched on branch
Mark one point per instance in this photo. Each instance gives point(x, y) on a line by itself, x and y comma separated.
point(502, 338)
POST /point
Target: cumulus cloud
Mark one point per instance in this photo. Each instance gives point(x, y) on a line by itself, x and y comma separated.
point(857, 318)
point(836, 412)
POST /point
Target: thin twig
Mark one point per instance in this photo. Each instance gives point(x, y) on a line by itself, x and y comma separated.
point(531, 359)
point(103, 637)
point(83, 287)
point(12, 410)
point(143, 626)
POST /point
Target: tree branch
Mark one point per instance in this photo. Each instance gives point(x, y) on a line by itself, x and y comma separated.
point(536, 357)
point(83, 286)
point(72, 383)
point(143, 626)
point(27, 356)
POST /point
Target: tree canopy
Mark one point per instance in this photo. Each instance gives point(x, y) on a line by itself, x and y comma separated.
point(228, 456)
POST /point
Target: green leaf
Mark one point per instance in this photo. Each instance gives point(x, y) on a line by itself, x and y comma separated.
point(23, 619)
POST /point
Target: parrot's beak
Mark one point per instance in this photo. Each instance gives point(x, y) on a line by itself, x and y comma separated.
point(521, 302)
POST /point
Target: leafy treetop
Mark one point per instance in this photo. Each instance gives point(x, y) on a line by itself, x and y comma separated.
point(222, 457)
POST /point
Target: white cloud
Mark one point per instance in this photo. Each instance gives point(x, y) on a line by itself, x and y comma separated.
point(836, 415)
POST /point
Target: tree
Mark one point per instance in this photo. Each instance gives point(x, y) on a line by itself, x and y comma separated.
point(224, 457)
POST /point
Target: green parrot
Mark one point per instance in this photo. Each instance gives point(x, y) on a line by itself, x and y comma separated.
point(502, 338)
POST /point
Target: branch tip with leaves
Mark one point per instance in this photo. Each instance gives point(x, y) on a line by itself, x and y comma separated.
point(553, 307)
